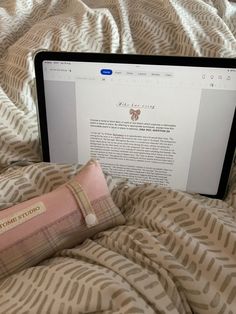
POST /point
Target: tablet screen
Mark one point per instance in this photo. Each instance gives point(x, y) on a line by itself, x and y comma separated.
point(163, 124)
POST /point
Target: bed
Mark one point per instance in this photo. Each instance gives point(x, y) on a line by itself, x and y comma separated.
point(176, 253)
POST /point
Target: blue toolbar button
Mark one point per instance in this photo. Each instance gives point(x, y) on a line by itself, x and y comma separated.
point(106, 72)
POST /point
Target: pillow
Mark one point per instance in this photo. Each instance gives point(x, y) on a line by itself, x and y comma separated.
point(35, 229)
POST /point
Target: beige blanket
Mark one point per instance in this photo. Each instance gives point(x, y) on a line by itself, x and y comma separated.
point(177, 252)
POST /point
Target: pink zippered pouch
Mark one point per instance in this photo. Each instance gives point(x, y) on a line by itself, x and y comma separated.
point(35, 229)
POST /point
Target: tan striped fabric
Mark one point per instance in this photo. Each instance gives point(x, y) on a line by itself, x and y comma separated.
point(177, 252)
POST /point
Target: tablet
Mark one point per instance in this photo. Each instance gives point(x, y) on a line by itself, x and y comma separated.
point(153, 119)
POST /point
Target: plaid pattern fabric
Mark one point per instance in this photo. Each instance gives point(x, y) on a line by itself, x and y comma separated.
point(65, 231)
point(82, 200)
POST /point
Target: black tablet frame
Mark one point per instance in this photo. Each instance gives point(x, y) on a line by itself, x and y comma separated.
point(42, 56)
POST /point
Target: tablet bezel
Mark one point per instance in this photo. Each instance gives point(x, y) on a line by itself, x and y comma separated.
point(42, 56)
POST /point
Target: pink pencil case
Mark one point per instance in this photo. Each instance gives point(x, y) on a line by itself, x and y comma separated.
point(37, 228)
